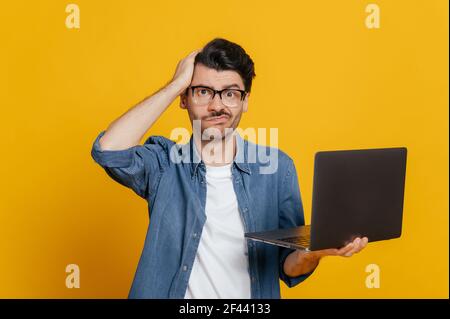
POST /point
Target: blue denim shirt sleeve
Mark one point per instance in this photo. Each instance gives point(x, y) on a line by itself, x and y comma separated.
point(291, 215)
point(138, 167)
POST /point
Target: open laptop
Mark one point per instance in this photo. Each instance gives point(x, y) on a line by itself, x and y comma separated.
point(356, 193)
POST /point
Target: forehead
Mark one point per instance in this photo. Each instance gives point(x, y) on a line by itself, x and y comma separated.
point(215, 79)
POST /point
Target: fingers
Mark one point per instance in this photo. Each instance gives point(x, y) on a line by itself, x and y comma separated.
point(354, 247)
point(185, 69)
point(345, 251)
point(363, 244)
point(194, 53)
point(190, 57)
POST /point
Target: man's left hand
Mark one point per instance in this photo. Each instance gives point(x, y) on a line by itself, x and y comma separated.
point(350, 249)
point(302, 262)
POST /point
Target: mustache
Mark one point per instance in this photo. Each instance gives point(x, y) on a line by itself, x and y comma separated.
point(215, 114)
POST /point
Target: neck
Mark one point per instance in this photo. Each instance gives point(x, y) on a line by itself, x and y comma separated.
point(218, 151)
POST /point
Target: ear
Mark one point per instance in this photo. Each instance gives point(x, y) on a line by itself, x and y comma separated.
point(245, 105)
point(183, 100)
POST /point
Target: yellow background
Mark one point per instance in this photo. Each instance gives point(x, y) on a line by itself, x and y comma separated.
point(323, 78)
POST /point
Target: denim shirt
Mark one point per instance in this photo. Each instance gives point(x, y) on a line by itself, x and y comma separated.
point(171, 177)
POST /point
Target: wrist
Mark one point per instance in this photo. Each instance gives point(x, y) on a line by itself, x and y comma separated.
point(310, 257)
point(177, 87)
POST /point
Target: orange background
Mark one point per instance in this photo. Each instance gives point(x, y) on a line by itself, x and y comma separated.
point(324, 80)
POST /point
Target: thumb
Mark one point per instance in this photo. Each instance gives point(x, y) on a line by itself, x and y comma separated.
point(327, 252)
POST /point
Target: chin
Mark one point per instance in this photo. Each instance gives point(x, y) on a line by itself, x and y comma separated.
point(218, 130)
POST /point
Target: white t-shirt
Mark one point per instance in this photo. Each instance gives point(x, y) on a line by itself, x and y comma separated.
point(221, 265)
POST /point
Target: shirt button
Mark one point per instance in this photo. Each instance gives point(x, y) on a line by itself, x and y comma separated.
point(253, 279)
point(185, 268)
point(194, 235)
point(245, 209)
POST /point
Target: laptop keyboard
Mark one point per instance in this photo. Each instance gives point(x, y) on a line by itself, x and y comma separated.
point(301, 241)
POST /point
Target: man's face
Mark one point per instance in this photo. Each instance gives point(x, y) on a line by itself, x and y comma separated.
point(215, 114)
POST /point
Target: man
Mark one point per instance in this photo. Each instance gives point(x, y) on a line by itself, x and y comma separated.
point(205, 194)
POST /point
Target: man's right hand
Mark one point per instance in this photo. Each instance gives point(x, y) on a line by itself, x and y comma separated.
point(129, 128)
point(185, 69)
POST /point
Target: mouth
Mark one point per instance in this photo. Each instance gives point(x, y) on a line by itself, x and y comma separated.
point(218, 119)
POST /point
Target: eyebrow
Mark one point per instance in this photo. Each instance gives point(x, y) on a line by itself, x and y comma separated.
point(225, 87)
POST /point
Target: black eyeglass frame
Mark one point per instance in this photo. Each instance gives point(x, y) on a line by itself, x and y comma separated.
point(243, 93)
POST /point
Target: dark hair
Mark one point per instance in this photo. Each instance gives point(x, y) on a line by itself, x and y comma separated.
point(221, 55)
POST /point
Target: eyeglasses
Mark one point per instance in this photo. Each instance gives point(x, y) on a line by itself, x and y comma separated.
point(203, 95)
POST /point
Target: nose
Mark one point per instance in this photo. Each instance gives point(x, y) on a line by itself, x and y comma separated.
point(215, 104)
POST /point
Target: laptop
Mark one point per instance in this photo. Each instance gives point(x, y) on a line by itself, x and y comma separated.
point(356, 193)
